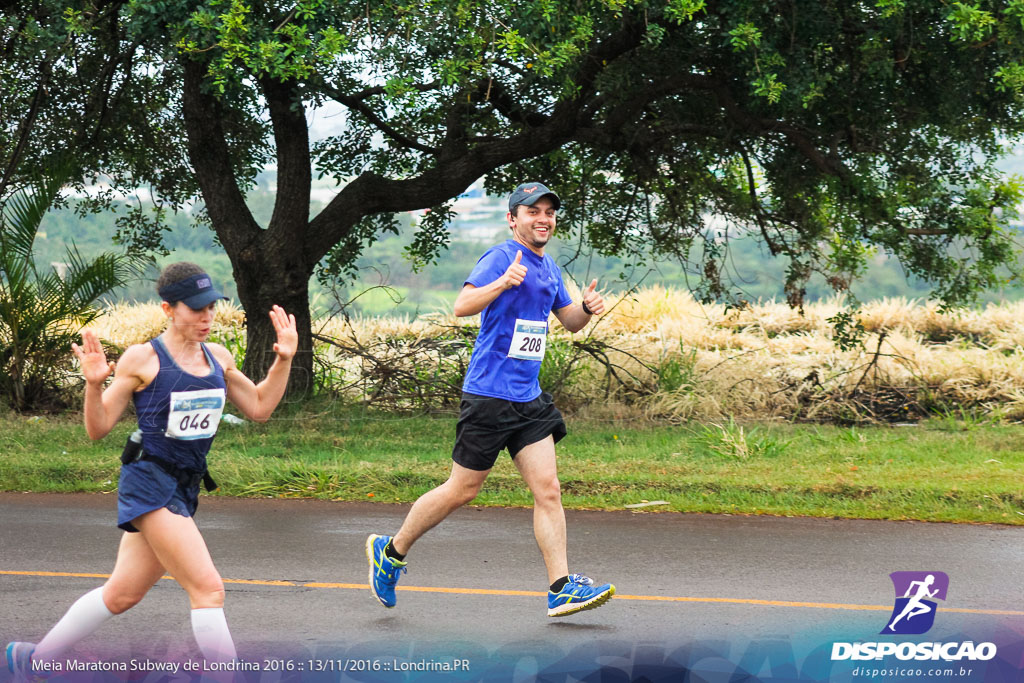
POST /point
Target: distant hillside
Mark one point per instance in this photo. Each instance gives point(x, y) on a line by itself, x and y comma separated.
point(481, 222)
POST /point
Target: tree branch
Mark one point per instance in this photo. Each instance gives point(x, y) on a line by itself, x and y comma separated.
point(208, 152)
point(370, 193)
point(495, 93)
point(291, 139)
point(924, 232)
point(379, 90)
point(24, 129)
point(830, 165)
point(357, 104)
point(756, 203)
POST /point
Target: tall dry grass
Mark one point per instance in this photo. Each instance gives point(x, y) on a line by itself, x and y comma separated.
point(663, 354)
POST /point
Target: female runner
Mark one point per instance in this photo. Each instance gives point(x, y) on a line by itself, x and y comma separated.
point(178, 384)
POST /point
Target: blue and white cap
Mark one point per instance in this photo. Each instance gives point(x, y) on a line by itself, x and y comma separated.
point(195, 291)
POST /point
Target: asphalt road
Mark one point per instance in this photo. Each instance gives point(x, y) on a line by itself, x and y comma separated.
point(717, 587)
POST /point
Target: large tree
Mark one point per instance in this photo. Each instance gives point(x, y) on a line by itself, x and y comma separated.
point(828, 129)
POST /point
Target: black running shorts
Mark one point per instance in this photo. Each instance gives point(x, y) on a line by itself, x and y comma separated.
point(487, 425)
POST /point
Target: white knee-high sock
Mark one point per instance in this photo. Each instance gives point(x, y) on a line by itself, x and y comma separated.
point(82, 618)
point(212, 635)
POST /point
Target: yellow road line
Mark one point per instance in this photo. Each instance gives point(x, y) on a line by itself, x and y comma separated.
point(255, 582)
point(533, 594)
point(76, 574)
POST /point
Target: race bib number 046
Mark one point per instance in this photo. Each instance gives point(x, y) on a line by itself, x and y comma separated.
point(529, 339)
point(195, 414)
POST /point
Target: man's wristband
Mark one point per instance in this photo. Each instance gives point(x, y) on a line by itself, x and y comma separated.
point(587, 310)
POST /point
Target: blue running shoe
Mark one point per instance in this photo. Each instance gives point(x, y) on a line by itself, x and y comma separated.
point(19, 660)
point(384, 571)
point(577, 595)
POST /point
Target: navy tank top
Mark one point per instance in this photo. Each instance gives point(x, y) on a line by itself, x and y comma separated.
point(179, 412)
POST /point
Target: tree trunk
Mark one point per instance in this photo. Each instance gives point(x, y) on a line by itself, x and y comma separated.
point(270, 266)
point(264, 280)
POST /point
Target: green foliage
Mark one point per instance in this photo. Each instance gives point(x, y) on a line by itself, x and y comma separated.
point(960, 418)
point(328, 376)
point(683, 10)
point(673, 129)
point(42, 310)
point(744, 37)
point(560, 365)
point(890, 7)
point(233, 339)
point(767, 86)
point(735, 441)
point(431, 238)
point(1011, 78)
point(932, 204)
point(292, 46)
point(848, 330)
point(970, 22)
point(678, 373)
point(72, 79)
point(339, 265)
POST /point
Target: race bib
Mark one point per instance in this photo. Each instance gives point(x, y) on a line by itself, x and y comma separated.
point(194, 414)
point(529, 339)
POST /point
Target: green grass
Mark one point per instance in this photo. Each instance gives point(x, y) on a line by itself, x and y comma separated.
point(942, 470)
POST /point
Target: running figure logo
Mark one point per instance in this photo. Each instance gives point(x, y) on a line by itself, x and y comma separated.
point(914, 612)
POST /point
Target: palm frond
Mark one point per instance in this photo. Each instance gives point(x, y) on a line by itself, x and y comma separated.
point(42, 312)
point(21, 214)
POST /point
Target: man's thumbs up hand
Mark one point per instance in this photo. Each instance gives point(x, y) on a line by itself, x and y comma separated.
point(593, 303)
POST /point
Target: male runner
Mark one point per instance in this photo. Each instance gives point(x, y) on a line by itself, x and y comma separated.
point(516, 286)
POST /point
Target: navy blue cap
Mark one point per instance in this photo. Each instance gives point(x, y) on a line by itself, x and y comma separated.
point(195, 291)
point(527, 194)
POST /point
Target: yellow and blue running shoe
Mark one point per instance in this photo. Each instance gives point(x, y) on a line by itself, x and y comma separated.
point(578, 594)
point(384, 571)
point(19, 660)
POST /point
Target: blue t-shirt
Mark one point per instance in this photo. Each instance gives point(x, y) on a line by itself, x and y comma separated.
point(492, 372)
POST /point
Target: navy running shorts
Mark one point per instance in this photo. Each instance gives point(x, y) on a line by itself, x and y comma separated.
point(143, 487)
point(487, 425)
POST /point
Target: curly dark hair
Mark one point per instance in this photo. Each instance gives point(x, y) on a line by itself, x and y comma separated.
point(176, 272)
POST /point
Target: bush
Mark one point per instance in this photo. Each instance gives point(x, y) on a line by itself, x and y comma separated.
point(41, 312)
point(662, 355)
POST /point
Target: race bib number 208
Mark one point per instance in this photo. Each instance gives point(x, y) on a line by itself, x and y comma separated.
point(528, 340)
point(195, 414)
